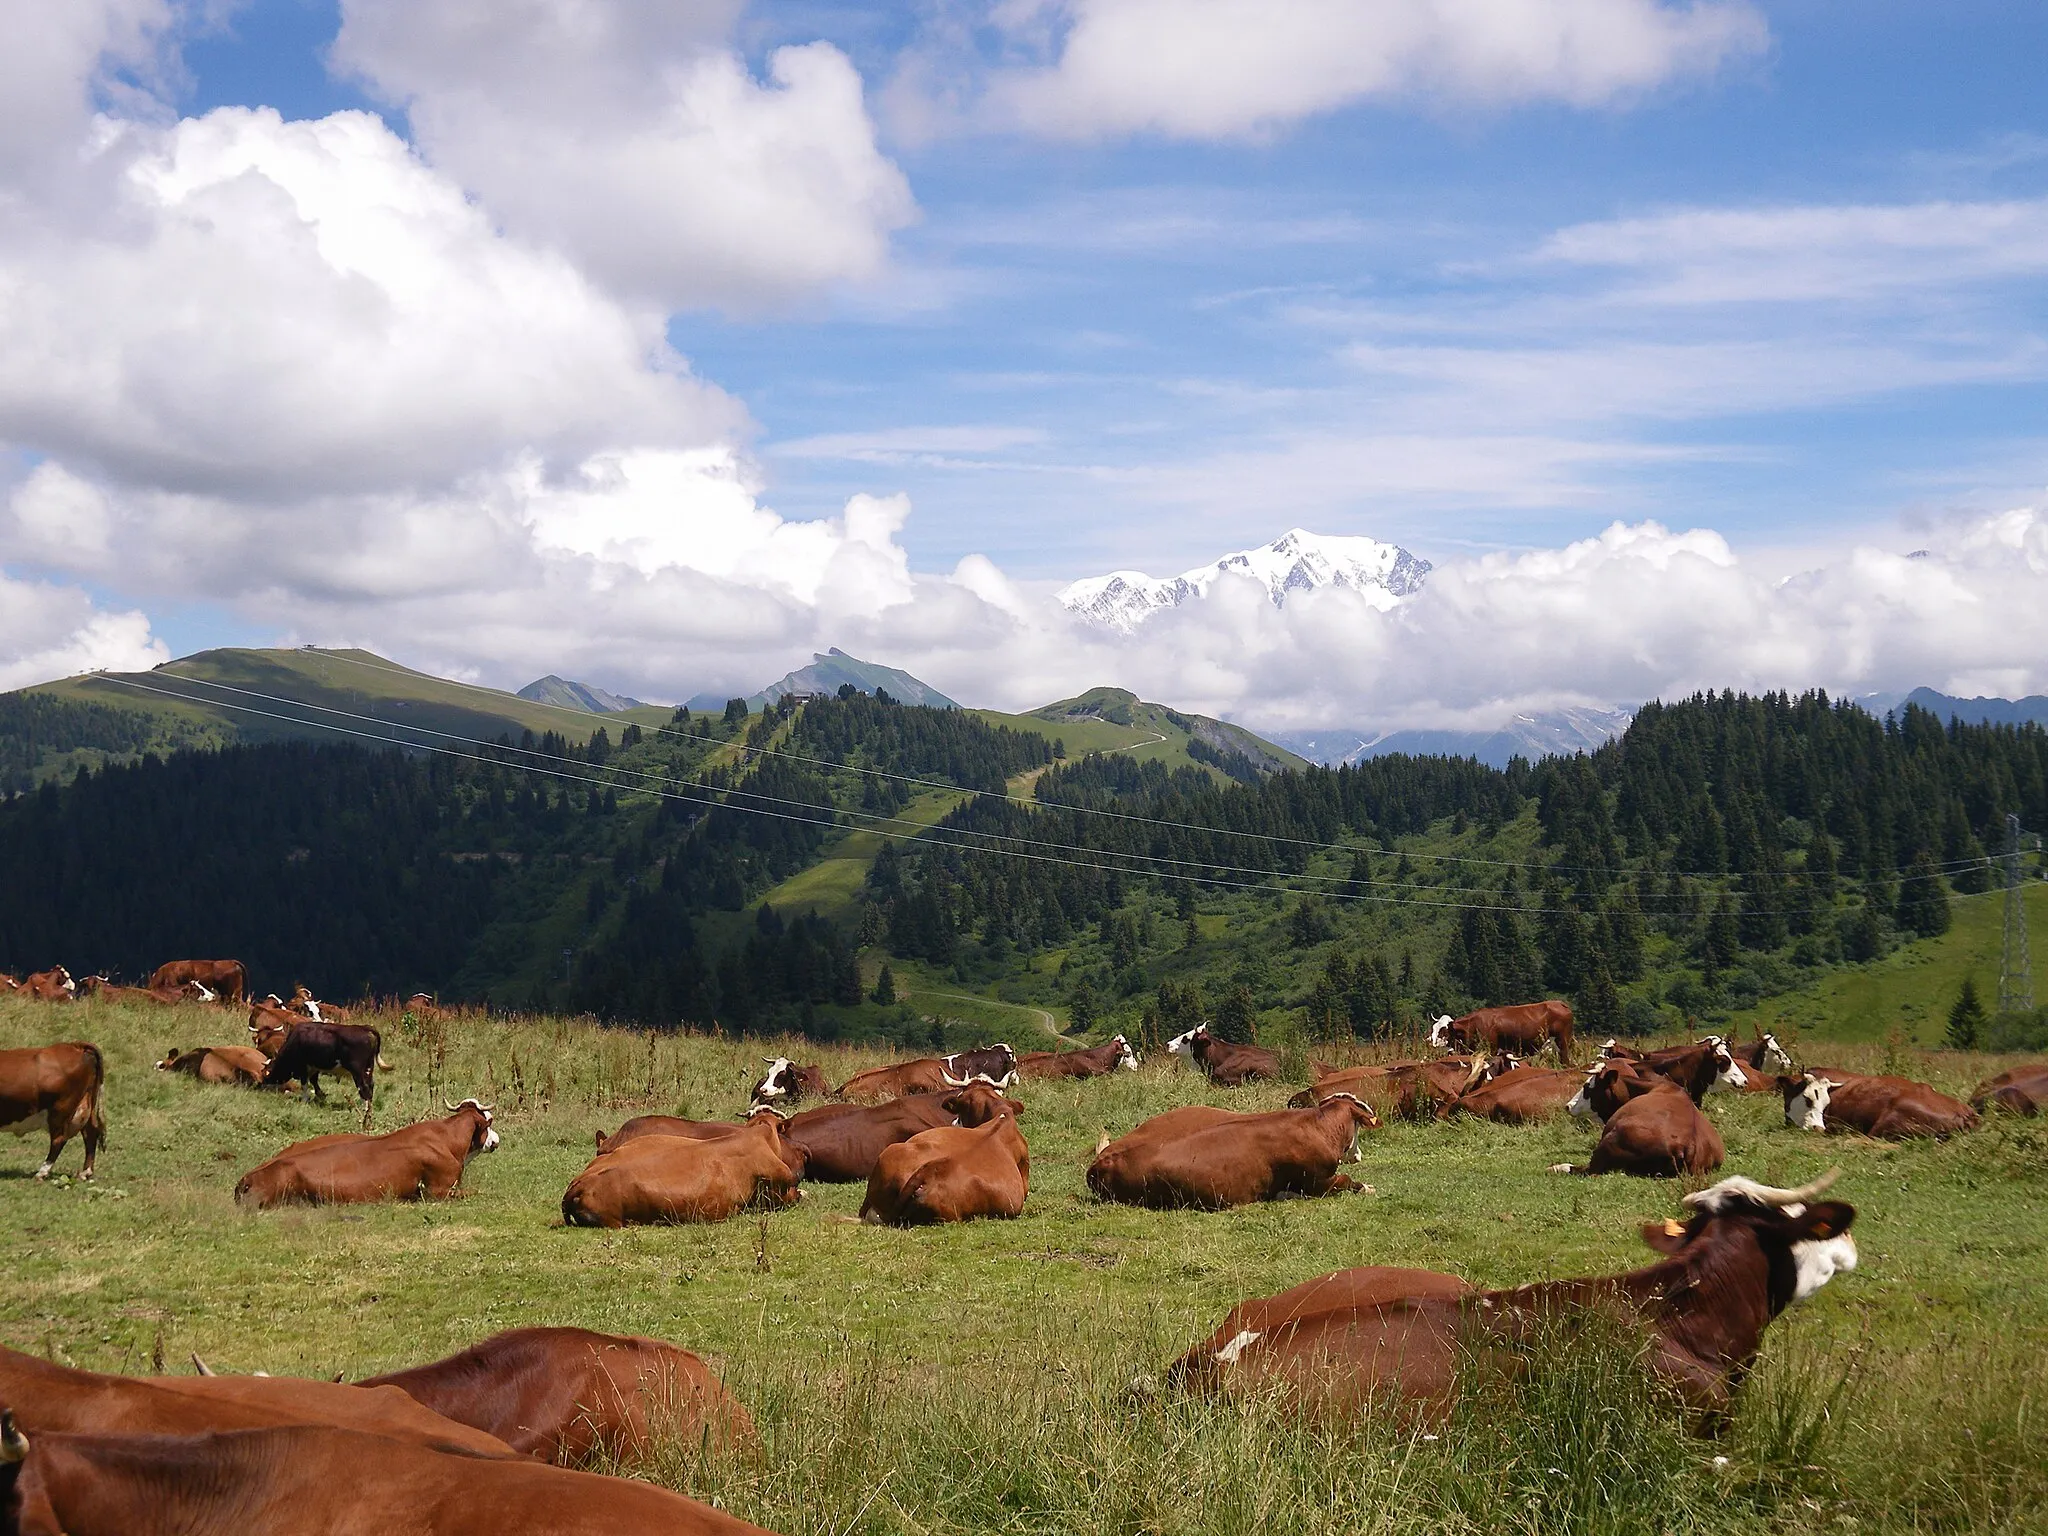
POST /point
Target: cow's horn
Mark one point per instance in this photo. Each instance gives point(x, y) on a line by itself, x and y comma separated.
point(13, 1443)
point(955, 1082)
point(201, 1366)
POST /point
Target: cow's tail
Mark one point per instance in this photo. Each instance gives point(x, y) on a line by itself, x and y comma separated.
point(95, 1114)
point(382, 1064)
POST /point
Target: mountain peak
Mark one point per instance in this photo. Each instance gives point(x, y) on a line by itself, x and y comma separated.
point(567, 694)
point(1297, 561)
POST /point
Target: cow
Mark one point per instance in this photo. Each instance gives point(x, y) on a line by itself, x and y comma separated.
point(55, 1089)
point(295, 1480)
point(1210, 1159)
point(9, 983)
point(228, 979)
point(663, 1179)
point(102, 990)
point(306, 1049)
point(1892, 1108)
point(424, 1161)
point(996, 1064)
point(568, 1395)
point(306, 1005)
point(1699, 1068)
point(1522, 1029)
point(52, 986)
point(242, 1064)
point(1409, 1089)
point(1224, 1062)
point(841, 1143)
point(786, 1082)
point(1761, 1060)
point(1518, 1098)
point(1653, 1128)
point(2028, 1082)
point(63, 1399)
point(1401, 1339)
point(675, 1125)
point(1094, 1061)
point(954, 1173)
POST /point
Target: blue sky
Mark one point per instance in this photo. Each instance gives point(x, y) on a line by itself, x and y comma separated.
point(1777, 274)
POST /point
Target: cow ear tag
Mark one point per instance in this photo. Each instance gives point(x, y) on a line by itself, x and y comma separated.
point(1673, 1228)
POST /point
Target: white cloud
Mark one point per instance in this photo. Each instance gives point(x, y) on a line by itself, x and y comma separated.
point(1208, 69)
point(56, 59)
point(631, 137)
point(49, 631)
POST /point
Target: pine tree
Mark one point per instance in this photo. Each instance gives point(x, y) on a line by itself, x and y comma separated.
point(1237, 1016)
point(1081, 1008)
point(885, 986)
point(1966, 1019)
point(1360, 881)
point(1820, 866)
point(1599, 1010)
point(1722, 941)
point(1923, 904)
point(1862, 938)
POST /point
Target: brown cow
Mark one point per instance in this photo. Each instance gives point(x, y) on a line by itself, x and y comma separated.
point(48, 1396)
point(954, 1173)
point(1224, 1062)
point(284, 1482)
point(1095, 1061)
point(56, 1089)
point(1745, 1253)
point(1409, 1089)
point(242, 1064)
point(788, 1083)
point(678, 1179)
point(1654, 1130)
point(567, 1395)
point(995, 1064)
point(842, 1142)
point(2028, 1078)
point(1211, 1159)
point(1699, 1068)
point(226, 979)
point(1894, 1108)
point(1519, 1098)
point(307, 1006)
point(101, 990)
point(1523, 1029)
point(419, 1162)
point(52, 986)
point(674, 1125)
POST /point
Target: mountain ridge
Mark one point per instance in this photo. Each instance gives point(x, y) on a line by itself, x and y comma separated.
point(565, 693)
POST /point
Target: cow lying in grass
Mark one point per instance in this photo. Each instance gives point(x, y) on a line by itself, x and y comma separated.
point(420, 1162)
point(1652, 1127)
point(2021, 1091)
point(1394, 1339)
point(659, 1179)
point(242, 1064)
point(1894, 1108)
point(954, 1172)
point(1210, 1159)
point(1224, 1062)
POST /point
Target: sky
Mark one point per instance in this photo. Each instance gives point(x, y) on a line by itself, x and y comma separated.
point(1695, 343)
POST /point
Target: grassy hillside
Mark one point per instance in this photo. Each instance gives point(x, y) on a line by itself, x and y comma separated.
point(1113, 720)
point(973, 1379)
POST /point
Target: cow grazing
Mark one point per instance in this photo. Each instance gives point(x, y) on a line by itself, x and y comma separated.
point(227, 979)
point(59, 1398)
point(954, 1173)
point(52, 986)
point(1653, 1128)
point(1523, 1029)
point(420, 1162)
point(662, 1179)
point(1095, 1061)
point(1210, 1159)
point(1224, 1062)
point(997, 1064)
point(788, 1083)
point(306, 1049)
point(1893, 1108)
point(1744, 1254)
point(841, 1143)
point(568, 1395)
point(298, 1479)
point(242, 1064)
point(1518, 1098)
point(54, 1089)
point(2021, 1091)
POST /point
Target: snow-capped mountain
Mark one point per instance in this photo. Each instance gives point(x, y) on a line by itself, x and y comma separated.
point(1297, 561)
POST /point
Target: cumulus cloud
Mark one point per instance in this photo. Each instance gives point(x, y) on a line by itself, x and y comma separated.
point(632, 137)
point(48, 630)
point(1212, 69)
point(60, 57)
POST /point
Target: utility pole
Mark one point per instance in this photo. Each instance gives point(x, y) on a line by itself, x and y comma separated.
point(2015, 972)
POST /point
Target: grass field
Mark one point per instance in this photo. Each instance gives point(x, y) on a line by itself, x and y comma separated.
point(975, 1378)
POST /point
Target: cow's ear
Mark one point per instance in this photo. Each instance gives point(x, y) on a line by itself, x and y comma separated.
point(1786, 1085)
point(1016, 1108)
point(1829, 1218)
point(1667, 1236)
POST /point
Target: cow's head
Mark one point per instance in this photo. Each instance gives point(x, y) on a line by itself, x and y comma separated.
point(758, 1111)
point(1581, 1103)
point(273, 1000)
point(1125, 1056)
point(170, 1061)
point(1728, 1071)
point(1775, 1057)
point(1806, 1101)
point(978, 1102)
point(776, 1084)
point(198, 993)
point(66, 982)
point(484, 1138)
point(1183, 1045)
point(1440, 1032)
point(1815, 1232)
point(1362, 1116)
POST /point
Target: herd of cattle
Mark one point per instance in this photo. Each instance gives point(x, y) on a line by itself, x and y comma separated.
point(936, 1139)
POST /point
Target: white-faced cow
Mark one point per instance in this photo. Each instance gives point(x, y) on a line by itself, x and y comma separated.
point(227, 979)
point(1380, 1340)
point(788, 1083)
point(52, 986)
point(54, 1089)
point(419, 1162)
point(1653, 1128)
point(1893, 1108)
point(1224, 1062)
point(1523, 1029)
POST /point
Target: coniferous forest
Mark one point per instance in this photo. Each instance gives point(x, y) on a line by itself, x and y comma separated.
point(1724, 847)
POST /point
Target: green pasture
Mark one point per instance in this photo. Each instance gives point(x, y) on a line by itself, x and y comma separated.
point(978, 1378)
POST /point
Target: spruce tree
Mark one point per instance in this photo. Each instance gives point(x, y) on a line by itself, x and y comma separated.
point(1599, 1010)
point(1722, 940)
point(1237, 1016)
point(1923, 904)
point(885, 986)
point(1966, 1019)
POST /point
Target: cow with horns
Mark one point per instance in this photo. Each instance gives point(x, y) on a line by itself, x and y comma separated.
point(1365, 1340)
point(788, 1083)
point(1523, 1029)
point(1224, 1062)
point(419, 1162)
point(1892, 1108)
point(994, 1064)
point(1092, 1061)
